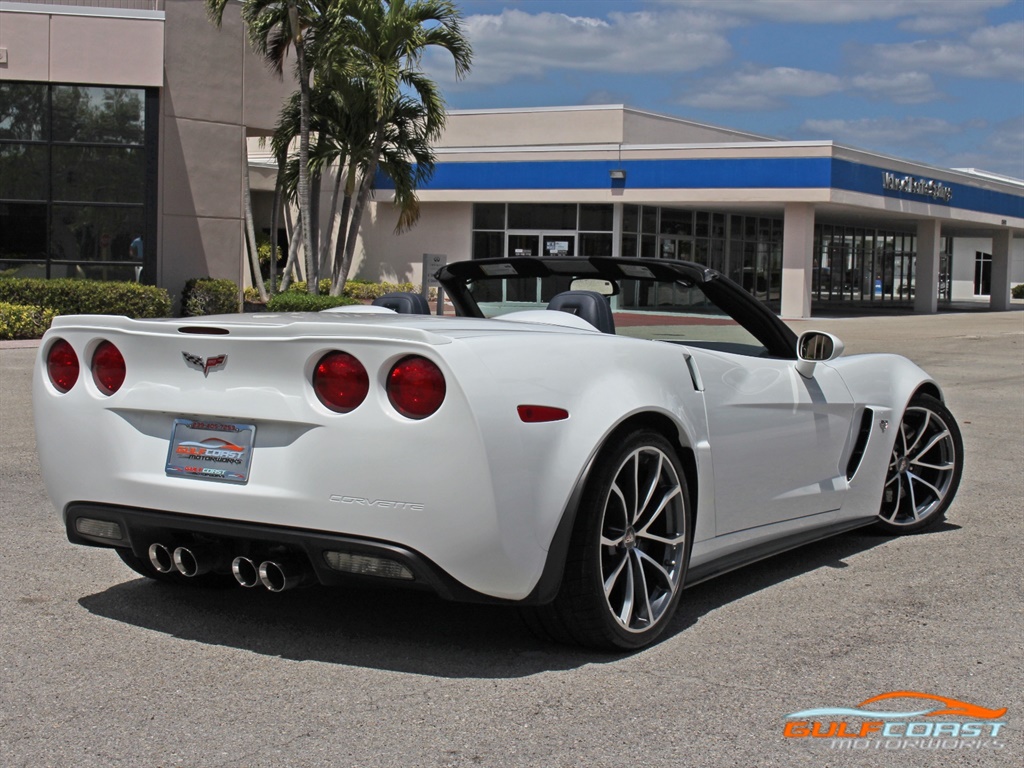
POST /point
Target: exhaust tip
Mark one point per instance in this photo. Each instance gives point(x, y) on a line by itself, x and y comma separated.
point(279, 576)
point(160, 558)
point(245, 571)
point(185, 562)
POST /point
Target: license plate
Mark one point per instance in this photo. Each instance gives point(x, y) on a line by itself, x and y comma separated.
point(211, 450)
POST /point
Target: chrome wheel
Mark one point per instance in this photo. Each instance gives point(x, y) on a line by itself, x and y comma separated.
point(626, 559)
point(643, 537)
point(924, 469)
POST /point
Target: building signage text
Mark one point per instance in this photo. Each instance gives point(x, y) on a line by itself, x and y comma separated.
point(926, 187)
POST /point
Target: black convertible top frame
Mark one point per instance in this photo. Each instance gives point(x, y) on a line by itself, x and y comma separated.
point(750, 313)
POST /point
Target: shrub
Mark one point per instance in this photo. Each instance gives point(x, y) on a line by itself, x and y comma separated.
point(66, 296)
point(18, 321)
point(1018, 291)
point(360, 289)
point(297, 301)
point(206, 296)
point(324, 286)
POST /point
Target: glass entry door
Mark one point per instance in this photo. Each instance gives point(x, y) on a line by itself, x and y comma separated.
point(531, 290)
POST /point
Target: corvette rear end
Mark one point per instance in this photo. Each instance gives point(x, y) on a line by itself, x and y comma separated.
point(292, 449)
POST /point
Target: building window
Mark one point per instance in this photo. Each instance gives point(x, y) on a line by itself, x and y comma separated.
point(78, 181)
point(982, 273)
point(858, 264)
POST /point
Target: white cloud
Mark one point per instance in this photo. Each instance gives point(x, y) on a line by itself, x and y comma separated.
point(758, 90)
point(841, 11)
point(879, 133)
point(898, 87)
point(514, 44)
point(987, 52)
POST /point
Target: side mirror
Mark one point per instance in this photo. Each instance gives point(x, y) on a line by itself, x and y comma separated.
point(816, 347)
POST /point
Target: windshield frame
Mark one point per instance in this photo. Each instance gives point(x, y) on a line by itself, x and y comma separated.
point(729, 297)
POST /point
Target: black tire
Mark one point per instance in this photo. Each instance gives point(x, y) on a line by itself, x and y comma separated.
point(632, 534)
point(145, 568)
point(924, 470)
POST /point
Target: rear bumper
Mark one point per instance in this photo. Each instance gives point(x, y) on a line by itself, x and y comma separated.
point(139, 528)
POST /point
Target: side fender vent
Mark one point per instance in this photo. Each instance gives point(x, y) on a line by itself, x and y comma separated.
point(866, 420)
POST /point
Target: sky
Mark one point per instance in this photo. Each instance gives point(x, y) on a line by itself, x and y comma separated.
point(934, 81)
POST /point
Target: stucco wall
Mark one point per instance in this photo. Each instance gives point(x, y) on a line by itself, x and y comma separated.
point(204, 122)
point(82, 49)
point(965, 251)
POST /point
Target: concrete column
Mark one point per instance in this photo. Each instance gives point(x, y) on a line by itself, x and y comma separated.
point(797, 260)
point(926, 268)
point(999, 292)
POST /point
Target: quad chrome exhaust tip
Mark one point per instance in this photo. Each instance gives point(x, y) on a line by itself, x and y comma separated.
point(280, 575)
point(245, 571)
point(195, 561)
point(161, 558)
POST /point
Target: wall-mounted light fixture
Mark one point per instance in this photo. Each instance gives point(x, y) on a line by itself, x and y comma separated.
point(617, 174)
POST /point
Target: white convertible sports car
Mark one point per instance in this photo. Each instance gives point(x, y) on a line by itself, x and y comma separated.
point(585, 438)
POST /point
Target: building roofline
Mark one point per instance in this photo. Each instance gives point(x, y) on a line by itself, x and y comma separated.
point(610, 108)
point(48, 9)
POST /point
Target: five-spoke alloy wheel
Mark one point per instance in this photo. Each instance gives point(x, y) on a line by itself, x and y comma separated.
point(924, 469)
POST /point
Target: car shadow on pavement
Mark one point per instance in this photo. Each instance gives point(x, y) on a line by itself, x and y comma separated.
point(417, 632)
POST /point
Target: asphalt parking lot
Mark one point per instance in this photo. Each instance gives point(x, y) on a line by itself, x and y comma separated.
point(101, 668)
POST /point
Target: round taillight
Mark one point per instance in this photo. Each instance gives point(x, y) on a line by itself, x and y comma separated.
point(62, 365)
point(416, 387)
point(340, 381)
point(108, 369)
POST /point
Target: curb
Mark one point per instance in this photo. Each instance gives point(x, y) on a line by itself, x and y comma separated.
point(20, 344)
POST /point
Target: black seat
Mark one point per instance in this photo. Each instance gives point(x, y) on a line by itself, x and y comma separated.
point(589, 305)
point(404, 303)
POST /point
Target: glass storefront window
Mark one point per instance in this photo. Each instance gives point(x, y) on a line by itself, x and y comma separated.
point(675, 221)
point(95, 233)
point(84, 158)
point(596, 218)
point(98, 115)
point(595, 244)
point(24, 171)
point(542, 216)
point(22, 231)
point(98, 174)
point(488, 245)
point(489, 216)
point(23, 111)
point(649, 219)
point(630, 218)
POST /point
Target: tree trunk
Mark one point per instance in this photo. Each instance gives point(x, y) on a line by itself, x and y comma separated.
point(274, 213)
point(250, 231)
point(292, 267)
point(365, 187)
point(338, 277)
point(326, 262)
point(305, 211)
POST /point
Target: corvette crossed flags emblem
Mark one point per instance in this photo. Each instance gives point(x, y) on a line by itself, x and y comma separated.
point(207, 365)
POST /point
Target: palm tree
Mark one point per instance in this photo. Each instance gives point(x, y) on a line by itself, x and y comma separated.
point(273, 27)
point(378, 46)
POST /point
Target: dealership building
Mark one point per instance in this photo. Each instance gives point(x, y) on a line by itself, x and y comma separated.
point(126, 129)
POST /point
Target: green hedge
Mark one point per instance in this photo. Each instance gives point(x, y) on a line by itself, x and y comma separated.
point(66, 296)
point(296, 301)
point(354, 289)
point(19, 321)
point(206, 296)
point(360, 289)
point(1018, 291)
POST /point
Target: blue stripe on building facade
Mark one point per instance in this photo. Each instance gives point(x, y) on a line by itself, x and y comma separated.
point(709, 173)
